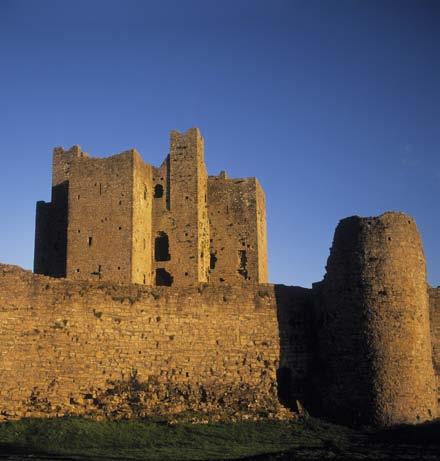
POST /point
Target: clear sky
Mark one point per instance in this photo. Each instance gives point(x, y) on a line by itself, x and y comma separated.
point(333, 105)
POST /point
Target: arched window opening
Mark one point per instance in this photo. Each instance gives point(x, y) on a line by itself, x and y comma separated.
point(161, 247)
point(158, 191)
point(163, 278)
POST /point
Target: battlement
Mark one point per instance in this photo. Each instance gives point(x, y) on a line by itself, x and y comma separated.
point(121, 219)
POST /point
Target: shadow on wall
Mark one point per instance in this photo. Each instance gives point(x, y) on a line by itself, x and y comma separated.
point(297, 342)
point(51, 233)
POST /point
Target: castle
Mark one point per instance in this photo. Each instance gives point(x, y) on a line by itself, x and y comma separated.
point(149, 297)
point(122, 220)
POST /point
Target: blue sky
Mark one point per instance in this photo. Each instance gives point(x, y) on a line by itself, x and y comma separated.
point(333, 105)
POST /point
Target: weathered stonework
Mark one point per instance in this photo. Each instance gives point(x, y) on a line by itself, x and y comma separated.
point(237, 213)
point(434, 302)
point(105, 349)
point(373, 315)
point(101, 337)
point(123, 220)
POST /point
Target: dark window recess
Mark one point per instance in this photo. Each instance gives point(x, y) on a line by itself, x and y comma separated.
point(161, 247)
point(90, 241)
point(145, 193)
point(242, 270)
point(212, 261)
point(163, 278)
point(158, 191)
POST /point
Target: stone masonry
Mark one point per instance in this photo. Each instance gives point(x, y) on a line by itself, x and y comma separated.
point(97, 348)
point(122, 220)
point(374, 340)
point(149, 298)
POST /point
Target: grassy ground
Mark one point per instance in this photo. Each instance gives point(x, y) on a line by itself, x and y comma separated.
point(76, 438)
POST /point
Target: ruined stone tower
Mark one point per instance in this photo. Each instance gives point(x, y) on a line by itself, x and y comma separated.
point(374, 334)
point(361, 347)
point(123, 220)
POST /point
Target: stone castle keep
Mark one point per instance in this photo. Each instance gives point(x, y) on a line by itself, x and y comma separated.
point(150, 297)
point(123, 220)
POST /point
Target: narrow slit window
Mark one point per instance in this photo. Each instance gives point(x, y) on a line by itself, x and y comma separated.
point(242, 269)
point(212, 261)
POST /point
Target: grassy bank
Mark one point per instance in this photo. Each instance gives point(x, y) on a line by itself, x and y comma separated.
point(78, 438)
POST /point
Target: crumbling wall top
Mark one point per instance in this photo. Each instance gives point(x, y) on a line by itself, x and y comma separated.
point(74, 151)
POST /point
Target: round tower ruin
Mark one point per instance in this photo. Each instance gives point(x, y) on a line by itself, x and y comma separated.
point(374, 345)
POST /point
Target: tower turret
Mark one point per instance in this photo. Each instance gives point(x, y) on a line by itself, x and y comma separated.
point(374, 338)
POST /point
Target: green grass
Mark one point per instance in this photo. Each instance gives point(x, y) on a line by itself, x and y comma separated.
point(310, 438)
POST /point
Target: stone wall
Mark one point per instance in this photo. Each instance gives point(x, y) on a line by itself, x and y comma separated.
point(373, 324)
point(50, 239)
point(100, 349)
point(260, 216)
point(121, 219)
point(99, 236)
point(180, 216)
point(434, 301)
point(142, 242)
point(238, 233)
point(51, 220)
